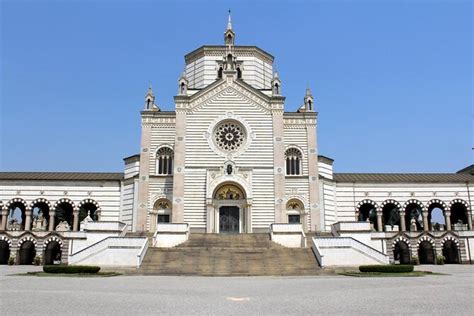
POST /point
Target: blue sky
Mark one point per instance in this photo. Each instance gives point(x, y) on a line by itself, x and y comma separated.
point(392, 79)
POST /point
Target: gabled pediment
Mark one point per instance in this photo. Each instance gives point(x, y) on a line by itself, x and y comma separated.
point(223, 87)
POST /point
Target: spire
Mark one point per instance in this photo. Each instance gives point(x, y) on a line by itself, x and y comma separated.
point(229, 22)
point(308, 92)
point(229, 35)
point(150, 100)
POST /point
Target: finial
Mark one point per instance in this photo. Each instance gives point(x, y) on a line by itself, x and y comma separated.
point(308, 91)
point(275, 75)
point(229, 22)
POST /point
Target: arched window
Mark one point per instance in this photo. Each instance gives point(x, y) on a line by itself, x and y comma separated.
point(293, 160)
point(219, 73)
point(164, 161)
point(277, 89)
point(310, 105)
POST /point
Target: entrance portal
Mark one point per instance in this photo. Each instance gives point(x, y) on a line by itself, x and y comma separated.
point(229, 221)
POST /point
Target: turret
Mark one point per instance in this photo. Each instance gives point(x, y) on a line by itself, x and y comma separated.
point(150, 101)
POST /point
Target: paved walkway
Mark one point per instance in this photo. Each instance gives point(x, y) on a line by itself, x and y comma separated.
point(445, 295)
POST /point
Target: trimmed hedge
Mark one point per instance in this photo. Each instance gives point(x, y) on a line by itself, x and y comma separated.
point(70, 269)
point(391, 268)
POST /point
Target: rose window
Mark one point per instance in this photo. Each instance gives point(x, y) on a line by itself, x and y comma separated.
point(229, 136)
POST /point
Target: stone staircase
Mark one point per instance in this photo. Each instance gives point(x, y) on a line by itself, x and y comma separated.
point(229, 255)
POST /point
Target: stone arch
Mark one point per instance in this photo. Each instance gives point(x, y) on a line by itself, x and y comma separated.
point(433, 205)
point(89, 207)
point(413, 209)
point(38, 222)
point(26, 250)
point(52, 250)
point(64, 211)
point(426, 250)
point(222, 180)
point(13, 217)
point(401, 250)
point(295, 209)
point(459, 214)
point(163, 209)
point(389, 217)
point(367, 210)
point(229, 191)
point(5, 249)
point(451, 250)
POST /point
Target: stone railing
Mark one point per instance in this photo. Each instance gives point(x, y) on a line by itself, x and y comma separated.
point(288, 235)
point(124, 251)
point(348, 242)
point(142, 253)
point(104, 226)
point(352, 226)
point(169, 235)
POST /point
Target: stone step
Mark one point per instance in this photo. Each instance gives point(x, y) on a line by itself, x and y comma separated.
point(229, 255)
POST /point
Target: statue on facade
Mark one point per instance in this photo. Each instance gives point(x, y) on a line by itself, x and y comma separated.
point(394, 217)
point(63, 226)
point(13, 224)
point(40, 223)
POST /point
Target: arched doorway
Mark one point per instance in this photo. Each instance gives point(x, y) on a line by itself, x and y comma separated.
point(4, 252)
point(163, 208)
point(451, 252)
point(230, 205)
point(295, 211)
point(52, 253)
point(27, 253)
point(426, 252)
point(401, 252)
point(368, 213)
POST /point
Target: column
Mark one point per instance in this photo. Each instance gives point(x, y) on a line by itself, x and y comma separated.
point(469, 219)
point(153, 221)
point(314, 200)
point(426, 226)
point(52, 214)
point(249, 218)
point(210, 217)
point(4, 219)
point(447, 218)
point(143, 178)
point(179, 159)
point(379, 220)
point(28, 219)
point(403, 225)
point(75, 223)
point(279, 160)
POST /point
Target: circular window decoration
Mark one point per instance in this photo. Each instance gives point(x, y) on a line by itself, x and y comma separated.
point(229, 136)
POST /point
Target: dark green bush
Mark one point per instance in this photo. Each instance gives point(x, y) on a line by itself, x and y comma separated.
point(399, 268)
point(70, 269)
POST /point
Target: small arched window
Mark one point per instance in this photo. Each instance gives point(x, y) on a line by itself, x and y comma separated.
point(183, 88)
point(293, 159)
point(219, 73)
point(310, 105)
point(164, 161)
point(277, 89)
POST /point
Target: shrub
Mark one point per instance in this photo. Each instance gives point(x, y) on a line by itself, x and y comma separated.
point(399, 268)
point(37, 261)
point(415, 261)
point(70, 269)
point(439, 260)
point(11, 261)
